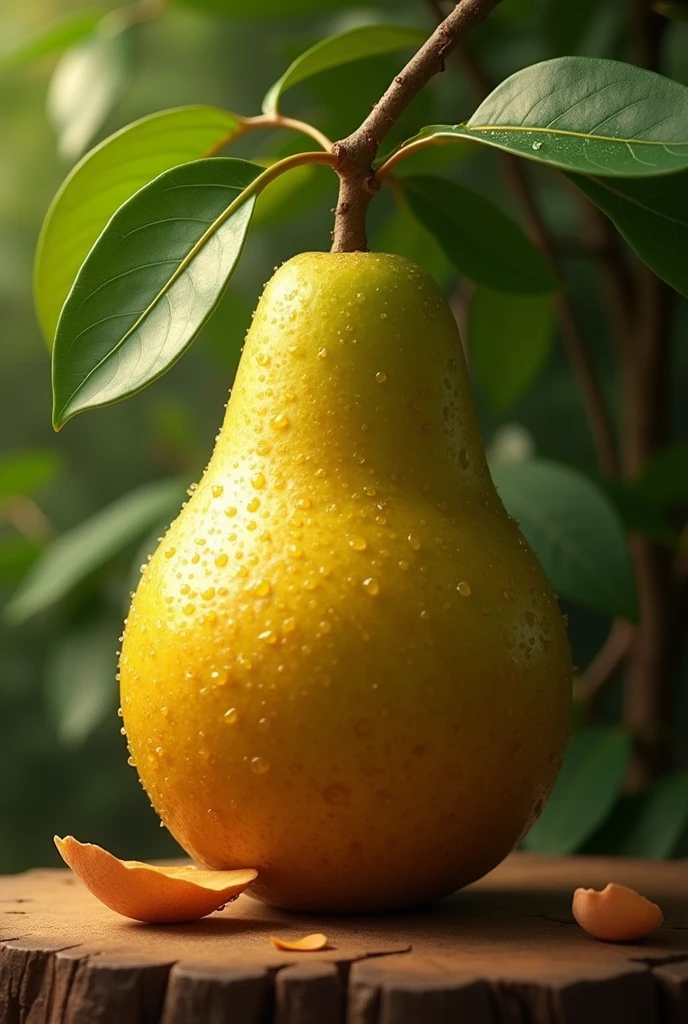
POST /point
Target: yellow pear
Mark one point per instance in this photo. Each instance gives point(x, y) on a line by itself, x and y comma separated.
point(344, 666)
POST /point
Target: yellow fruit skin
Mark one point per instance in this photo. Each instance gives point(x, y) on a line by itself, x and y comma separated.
point(344, 666)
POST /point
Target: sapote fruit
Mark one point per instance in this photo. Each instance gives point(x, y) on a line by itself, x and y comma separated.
point(344, 666)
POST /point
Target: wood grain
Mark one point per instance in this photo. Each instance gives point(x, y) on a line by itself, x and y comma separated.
point(504, 951)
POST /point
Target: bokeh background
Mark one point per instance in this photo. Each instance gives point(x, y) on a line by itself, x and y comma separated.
point(62, 760)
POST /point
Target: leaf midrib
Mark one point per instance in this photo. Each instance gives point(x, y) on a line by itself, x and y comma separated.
point(183, 266)
point(469, 128)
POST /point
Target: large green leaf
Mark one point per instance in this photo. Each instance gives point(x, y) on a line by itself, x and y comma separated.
point(510, 338)
point(574, 531)
point(24, 472)
point(149, 284)
point(638, 512)
point(87, 83)
point(80, 686)
point(589, 783)
point(402, 234)
point(79, 552)
point(583, 114)
point(53, 38)
point(105, 178)
point(344, 48)
point(482, 242)
point(652, 215)
point(660, 818)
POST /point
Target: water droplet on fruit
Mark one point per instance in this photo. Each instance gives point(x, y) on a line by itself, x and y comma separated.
point(381, 377)
point(231, 716)
point(231, 511)
point(169, 552)
point(463, 589)
point(336, 793)
point(189, 608)
point(371, 586)
point(357, 543)
point(259, 766)
point(414, 542)
point(280, 421)
point(253, 505)
point(217, 490)
point(221, 560)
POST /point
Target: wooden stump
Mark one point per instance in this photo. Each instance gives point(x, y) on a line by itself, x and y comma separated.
point(504, 951)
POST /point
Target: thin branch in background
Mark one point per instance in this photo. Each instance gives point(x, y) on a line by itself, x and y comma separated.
point(606, 663)
point(571, 331)
point(356, 153)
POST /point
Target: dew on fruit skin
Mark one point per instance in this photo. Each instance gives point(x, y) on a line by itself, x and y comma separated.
point(231, 716)
point(280, 421)
point(253, 505)
point(217, 490)
point(464, 589)
point(262, 588)
point(258, 481)
point(414, 543)
point(208, 594)
point(371, 586)
point(131, 762)
point(357, 543)
point(123, 731)
point(268, 636)
point(189, 608)
point(381, 377)
point(425, 614)
point(259, 766)
point(231, 511)
point(170, 552)
point(119, 712)
point(403, 565)
point(336, 793)
point(221, 560)
point(263, 724)
point(289, 625)
point(200, 541)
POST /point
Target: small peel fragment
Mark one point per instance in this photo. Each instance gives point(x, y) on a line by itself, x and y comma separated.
point(308, 944)
point(154, 895)
point(616, 913)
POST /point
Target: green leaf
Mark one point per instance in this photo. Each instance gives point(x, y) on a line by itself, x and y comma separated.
point(589, 783)
point(80, 686)
point(17, 554)
point(87, 84)
point(25, 472)
point(79, 552)
point(574, 531)
point(660, 819)
point(583, 114)
point(344, 48)
point(510, 338)
point(652, 215)
point(481, 241)
point(105, 178)
point(664, 479)
point(149, 284)
point(402, 234)
point(52, 38)
point(638, 512)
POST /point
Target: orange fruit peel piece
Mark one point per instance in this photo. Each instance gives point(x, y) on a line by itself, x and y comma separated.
point(155, 895)
point(308, 944)
point(616, 913)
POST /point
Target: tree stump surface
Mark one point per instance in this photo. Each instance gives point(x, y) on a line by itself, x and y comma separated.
point(504, 951)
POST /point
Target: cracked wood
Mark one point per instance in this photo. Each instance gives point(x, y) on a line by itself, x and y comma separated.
point(505, 950)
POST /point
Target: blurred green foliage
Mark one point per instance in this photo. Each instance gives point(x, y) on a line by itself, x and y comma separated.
point(79, 512)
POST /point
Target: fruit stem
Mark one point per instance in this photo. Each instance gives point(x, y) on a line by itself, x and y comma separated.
point(355, 154)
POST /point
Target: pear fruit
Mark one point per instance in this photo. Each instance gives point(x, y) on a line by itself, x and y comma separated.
point(344, 666)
